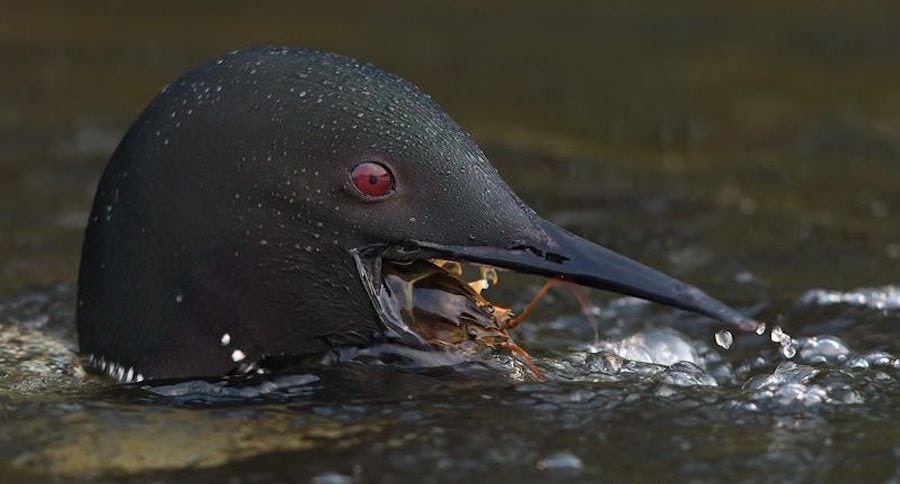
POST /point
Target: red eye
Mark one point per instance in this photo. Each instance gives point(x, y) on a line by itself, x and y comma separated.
point(372, 179)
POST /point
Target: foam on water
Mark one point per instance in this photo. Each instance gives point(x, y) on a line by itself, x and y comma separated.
point(885, 298)
point(638, 370)
point(659, 346)
point(794, 386)
point(656, 355)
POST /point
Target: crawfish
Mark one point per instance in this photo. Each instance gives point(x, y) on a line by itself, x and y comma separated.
point(450, 314)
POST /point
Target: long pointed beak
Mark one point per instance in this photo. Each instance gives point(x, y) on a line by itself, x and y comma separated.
point(574, 259)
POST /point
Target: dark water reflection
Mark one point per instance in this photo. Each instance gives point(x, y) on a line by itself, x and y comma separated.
point(751, 150)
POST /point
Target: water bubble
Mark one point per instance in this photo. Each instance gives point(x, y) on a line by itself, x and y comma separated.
point(179, 298)
point(744, 277)
point(658, 346)
point(664, 391)
point(791, 386)
point(885, 298)
point(332, 478)
point(878, 358)
point(560, 461)
point(821, 349)
point(724, 338)
point(851, 397)
point(686, 374)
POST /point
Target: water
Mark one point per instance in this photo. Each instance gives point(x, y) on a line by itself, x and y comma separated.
point(724, 338)
point(748, 150)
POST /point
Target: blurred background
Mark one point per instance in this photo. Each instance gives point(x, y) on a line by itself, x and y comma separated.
point(779, 122)
point(752, 150)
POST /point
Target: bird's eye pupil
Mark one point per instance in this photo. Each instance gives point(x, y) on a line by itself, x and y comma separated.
point(372, 179)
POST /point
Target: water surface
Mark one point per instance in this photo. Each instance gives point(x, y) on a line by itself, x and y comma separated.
point(752, 151)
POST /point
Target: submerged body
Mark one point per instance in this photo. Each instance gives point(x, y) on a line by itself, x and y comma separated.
point(248, 210)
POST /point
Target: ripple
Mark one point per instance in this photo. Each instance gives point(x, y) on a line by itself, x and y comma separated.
point(202, 391)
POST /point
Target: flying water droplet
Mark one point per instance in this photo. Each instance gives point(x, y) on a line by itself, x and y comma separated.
point(788, 351)
point(779, 336)
point(724, 338)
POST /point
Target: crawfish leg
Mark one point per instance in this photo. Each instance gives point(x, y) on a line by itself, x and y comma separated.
point(537, 297)
point(576, 293)
point(523, 356)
